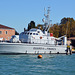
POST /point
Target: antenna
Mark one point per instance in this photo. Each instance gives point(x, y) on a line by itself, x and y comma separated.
point(48, 11)
point(47, 19)
point(44, 11)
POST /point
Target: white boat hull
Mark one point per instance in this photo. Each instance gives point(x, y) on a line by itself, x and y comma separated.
point(31, 48)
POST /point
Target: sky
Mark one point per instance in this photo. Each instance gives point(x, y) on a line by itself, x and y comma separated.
point(19, 13)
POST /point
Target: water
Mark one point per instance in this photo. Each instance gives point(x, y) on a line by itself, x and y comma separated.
point(60, 64)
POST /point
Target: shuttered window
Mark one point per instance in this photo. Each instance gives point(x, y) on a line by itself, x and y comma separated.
point(6, 32)
point(0, 32)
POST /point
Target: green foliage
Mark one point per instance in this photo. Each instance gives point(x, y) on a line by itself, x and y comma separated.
point(65, 20)
point(66, 27)
point(54, 30)
point(31, 25)
point(40, 26)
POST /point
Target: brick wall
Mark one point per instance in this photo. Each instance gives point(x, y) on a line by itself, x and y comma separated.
point(6, 33)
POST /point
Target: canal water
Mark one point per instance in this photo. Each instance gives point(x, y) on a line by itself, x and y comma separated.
point(50, 64)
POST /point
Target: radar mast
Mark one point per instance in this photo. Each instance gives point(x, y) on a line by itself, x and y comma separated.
point(46, 21)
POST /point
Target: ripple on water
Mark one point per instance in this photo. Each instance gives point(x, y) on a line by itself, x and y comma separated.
point(31, 65)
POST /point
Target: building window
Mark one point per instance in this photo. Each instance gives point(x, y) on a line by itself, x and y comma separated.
point(0, 32)
point(5, 32)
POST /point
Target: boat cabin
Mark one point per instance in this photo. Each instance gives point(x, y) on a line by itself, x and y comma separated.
point(36, 36)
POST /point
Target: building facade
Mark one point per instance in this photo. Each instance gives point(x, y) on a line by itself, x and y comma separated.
point(6, 32)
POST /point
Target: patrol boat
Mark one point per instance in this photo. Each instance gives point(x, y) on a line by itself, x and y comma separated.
point(36, 41)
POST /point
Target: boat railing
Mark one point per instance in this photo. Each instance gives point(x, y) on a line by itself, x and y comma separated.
point(41, 41)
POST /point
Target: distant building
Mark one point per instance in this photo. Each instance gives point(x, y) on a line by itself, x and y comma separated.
point(6, 32)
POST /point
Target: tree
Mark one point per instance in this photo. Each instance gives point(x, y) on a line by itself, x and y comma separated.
point(66, 27)
point(40, 26)
point(73, 29)
point(54, 30)
point(31, 25)
point(65, 20)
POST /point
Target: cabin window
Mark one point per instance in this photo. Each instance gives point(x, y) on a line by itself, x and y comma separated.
point(30, 33)
point(33, 33)
point(0, 32)
point(38, 31)
point(5, 32)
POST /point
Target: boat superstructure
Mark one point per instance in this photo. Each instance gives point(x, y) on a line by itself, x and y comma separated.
point(37, 41)
point(36, 36)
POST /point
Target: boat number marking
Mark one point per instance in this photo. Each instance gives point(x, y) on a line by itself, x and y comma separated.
point(41, 48)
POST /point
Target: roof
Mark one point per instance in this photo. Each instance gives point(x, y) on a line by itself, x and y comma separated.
point(5, 27)
point(34, 29)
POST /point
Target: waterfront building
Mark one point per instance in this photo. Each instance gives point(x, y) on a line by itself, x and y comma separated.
point(6, 32)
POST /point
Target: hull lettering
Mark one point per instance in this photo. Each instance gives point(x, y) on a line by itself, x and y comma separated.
point(41, 48)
